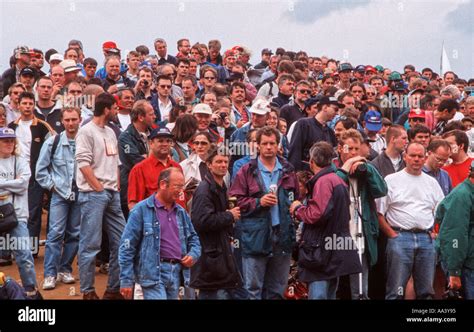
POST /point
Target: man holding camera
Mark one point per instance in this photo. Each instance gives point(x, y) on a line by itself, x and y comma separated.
point(265, 187)
point(365, 184)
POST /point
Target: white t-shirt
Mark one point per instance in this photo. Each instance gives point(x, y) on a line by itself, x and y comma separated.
point(23, 133)
point(411, 200)
point(396, 163)
point(124, 120)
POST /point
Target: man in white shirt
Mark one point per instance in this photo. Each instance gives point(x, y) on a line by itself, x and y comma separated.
point(406, 217)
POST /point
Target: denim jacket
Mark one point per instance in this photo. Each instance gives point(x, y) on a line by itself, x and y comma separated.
point(139, 252)
point(57, 171)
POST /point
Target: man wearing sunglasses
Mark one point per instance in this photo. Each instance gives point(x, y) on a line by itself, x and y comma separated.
point(295, 109)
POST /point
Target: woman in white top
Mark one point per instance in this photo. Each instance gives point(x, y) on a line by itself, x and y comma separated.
point(14, 178)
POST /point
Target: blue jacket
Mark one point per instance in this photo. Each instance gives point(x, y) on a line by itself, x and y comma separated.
point(57, 171)
point(139, 252)
point(256, 223)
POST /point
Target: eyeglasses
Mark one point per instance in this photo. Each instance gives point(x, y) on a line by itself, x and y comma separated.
point(75, 91)
point(370, 94)
point(162, 86)
point(209, 78)
point(200, 143)
point(440, 160)
point(304, 91)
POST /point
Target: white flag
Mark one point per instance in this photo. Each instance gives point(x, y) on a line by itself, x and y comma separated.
point(445, 65)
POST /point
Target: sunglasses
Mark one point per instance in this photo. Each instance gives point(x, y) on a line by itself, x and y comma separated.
point(304, 91)
point(209, 78)
point(370, 94)
point(417, 119)
point(165, 86)
point(200, 143)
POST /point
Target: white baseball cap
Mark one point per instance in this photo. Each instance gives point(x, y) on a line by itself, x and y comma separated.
point(202, 109)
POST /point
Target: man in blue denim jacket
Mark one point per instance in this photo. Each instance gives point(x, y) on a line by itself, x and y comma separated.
point(56, 171)
point(159, 242)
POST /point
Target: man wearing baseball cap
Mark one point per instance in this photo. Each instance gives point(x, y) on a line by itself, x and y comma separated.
point(373, 124)
point(203, 115)
point(345, 75)
point(22, 57)
point(311, 130)
point(266, 54)
point(258, 118)
point(28, 77)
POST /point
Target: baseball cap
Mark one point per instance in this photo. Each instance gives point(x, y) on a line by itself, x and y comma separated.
point(69, 65)
point(311, 101)
point(267, 51)
point(373, 120)
point(345, 66)
point(394, 76)
point(22, 49)
point(56, 57)
point(202, 109)
point(416, 113)
point(370, 68)
point(260, 107)
point(330, 101)
point(160, 132)
point(109, 44)
point(379, 68)
point(415, 91)
point(7, 133)
point(113, 51)
point(28, 71)
point(360, 68)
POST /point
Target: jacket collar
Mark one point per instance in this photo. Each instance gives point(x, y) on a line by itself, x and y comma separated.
point(34, 123)
point(316, 177)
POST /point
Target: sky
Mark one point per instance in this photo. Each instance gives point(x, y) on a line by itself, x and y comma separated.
point(386, 32)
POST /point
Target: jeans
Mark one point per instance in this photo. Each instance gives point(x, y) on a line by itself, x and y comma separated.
point(410, 254)
point(354, 280)
point(23, 256)
point(467, 282)
point(168, 286)
point(35, 209)
point(99, 210)
point(323, 289)
point(62, 241)
point(266, 277)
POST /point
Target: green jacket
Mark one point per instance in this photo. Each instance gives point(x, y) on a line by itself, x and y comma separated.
point(374, 187)
point(455, 241)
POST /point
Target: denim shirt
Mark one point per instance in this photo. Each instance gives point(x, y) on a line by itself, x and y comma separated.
point(58, 171)
point(139, 252)
point(271, 178)
point(442, 177)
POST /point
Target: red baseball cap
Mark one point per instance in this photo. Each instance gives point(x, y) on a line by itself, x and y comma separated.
point(370, 68)
point(416, 113)
point(109, 44)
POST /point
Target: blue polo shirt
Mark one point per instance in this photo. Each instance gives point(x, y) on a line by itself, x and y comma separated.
point(269, 178)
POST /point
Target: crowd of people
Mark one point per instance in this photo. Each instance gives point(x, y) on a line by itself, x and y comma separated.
point(202, 176)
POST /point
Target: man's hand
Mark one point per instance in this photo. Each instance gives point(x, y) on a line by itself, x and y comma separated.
point(127, 293)
point(351, 164)
point(268, 200)
point(187, 261)
point(100, 188)
point(392, 234)
point(455, 283)
point(240, 123)
point(235, 213)
point(293, 206)
point(112, 89)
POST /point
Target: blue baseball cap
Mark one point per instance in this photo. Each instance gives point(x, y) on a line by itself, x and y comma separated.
point(373, 120)
point(160, 132)
point(7, 133)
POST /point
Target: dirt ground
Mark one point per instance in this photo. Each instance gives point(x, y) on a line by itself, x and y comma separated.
point(62, 291)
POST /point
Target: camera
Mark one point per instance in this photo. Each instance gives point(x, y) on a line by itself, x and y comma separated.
point(360, 172)
point(223, 115)
point(145, 83)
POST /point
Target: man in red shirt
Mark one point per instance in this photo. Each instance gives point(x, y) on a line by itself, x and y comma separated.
point(143, 178)
point(458, 170)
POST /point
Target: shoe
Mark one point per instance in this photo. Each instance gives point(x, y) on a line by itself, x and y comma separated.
point(5, 262)
point(34, 295)
point(104, 268)
point(66, 278)
point(112, 296)
point(90, 296)
point(49, 283)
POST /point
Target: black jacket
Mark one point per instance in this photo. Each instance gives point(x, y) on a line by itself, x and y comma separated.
point(384, 165)
point(291, 113)
point(169, 59)
point(216, 268)
point(280, 100)
point(53, 118)
point(306, 132)
point(131, 151)
point(40, 131)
